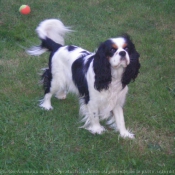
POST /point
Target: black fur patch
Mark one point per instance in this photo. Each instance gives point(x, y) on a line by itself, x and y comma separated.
point(46, 78)
point(102, 67)
point(132, 70)
point(79, 70)
point(47, 75)
point(71, 48)
point(50, 44)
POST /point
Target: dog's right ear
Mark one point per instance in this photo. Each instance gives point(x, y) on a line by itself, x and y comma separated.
point(131, 70)
point(102, 67)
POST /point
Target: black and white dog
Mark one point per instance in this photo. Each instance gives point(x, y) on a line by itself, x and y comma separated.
point(100, 79)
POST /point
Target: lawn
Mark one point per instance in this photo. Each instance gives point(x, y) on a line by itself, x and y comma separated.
point(34, 141)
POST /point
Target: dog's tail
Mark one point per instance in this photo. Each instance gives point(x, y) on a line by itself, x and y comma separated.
point(52, 33)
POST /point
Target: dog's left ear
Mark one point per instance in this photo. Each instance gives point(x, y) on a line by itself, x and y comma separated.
point(132, 69)
point(102, 67)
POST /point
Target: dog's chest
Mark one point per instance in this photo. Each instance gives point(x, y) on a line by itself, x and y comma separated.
point(114, 89)
point(109, 98)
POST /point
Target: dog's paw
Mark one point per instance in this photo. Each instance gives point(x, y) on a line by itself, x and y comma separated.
point(96, 129)
point(46, 106)
point(127, 134)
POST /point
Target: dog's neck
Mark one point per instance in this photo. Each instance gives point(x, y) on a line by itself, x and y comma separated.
point(117, 73)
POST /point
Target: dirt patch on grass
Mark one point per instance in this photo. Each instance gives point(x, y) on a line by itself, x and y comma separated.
point(9, 63)
point(152, 139)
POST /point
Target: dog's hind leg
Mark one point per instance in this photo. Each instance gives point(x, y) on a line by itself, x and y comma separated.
point(61, 94)
point(49, 92)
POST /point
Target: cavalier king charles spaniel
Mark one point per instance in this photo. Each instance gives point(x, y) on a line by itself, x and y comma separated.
point(100, 79)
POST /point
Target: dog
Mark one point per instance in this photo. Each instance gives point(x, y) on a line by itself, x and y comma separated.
point(99, 78)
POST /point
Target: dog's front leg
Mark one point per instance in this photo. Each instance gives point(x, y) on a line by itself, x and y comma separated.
point(120, 122)
point(93, 120)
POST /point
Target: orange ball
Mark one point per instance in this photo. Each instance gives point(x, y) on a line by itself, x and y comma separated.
point(24, 9)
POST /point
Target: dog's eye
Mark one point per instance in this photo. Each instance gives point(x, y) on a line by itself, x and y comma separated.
point(126, 48)
point(113, 50)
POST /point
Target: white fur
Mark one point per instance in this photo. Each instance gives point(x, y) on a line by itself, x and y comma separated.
point(105, 104)
point(53, 29)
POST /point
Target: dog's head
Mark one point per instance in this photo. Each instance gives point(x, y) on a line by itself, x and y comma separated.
point(116, 53)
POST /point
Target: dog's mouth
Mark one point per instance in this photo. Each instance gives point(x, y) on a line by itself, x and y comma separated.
point(125, 60)
point(122, 63)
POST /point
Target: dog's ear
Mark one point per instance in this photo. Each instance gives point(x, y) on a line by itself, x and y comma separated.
point(102, 67)
point(132, 69)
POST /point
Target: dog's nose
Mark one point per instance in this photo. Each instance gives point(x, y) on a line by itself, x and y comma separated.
point(122, 53)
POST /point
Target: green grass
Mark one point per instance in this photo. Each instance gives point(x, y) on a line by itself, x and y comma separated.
point(49, 142)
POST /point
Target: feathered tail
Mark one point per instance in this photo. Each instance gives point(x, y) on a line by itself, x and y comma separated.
point(52, 33)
